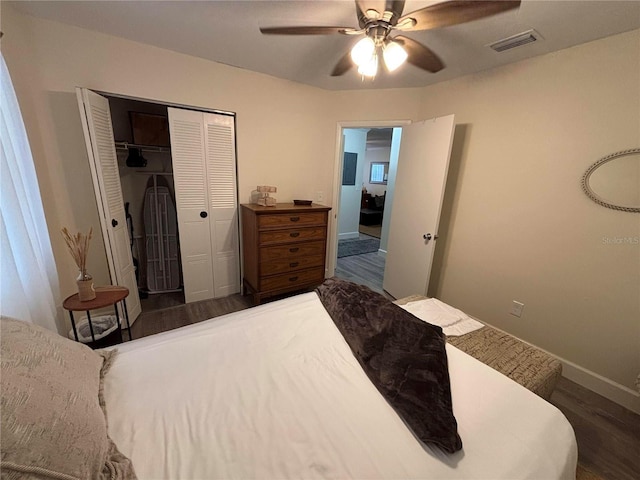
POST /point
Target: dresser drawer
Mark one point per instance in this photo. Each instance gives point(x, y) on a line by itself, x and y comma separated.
point(292, 235)
point(290, 265)
point(291, 219)
point(280, 252)
point(293, 279)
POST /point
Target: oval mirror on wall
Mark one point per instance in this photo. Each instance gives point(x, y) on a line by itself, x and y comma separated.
point(614, 181)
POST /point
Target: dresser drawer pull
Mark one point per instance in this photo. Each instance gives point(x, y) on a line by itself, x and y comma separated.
point(294, 234)
point(294, 264)
point(294, 249)
point(293, 279)
point(294, 219)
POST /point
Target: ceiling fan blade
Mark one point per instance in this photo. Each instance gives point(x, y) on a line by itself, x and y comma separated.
point(395, 6)
point(306, 30)
point(454, 12)
point(343, 65)
point(419, 55)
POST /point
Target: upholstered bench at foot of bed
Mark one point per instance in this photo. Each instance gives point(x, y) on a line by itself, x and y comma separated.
point(529, 366)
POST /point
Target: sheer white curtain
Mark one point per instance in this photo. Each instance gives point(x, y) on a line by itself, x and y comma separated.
point(28, 278)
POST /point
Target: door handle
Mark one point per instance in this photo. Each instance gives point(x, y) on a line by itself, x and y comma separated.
point(114, 223)
point(203, 214)
point(428, 236)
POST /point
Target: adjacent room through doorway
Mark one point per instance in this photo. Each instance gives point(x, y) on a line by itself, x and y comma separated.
point(405, 183)
point(368, 163)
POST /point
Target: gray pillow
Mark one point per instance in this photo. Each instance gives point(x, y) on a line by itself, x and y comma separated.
point(53, 422)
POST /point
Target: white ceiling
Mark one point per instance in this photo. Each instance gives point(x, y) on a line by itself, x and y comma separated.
point(227, 32)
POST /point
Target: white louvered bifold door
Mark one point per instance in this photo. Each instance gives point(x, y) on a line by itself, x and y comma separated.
point(98, 130)
point(223, 203)
point(186, 128)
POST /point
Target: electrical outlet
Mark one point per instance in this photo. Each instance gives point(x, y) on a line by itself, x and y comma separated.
point(320, 196)
point(516, 308)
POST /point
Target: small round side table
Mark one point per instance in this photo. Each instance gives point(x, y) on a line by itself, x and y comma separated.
point(105, 296)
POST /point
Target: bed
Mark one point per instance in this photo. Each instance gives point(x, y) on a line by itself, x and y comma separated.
point(276, 392)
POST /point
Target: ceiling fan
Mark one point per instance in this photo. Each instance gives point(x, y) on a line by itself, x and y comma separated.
point(377, 19)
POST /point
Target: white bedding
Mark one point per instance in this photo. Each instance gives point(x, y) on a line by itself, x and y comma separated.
point(274, 392)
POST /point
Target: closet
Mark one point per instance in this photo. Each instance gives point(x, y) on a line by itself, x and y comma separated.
point(165, 182)
point(145, 166)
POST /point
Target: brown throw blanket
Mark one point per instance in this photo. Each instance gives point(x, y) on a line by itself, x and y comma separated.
point(404, 357)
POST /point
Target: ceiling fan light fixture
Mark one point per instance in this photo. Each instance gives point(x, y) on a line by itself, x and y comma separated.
point(376, 25)
point(370, 68)
point(394, 55)
point(363, 51)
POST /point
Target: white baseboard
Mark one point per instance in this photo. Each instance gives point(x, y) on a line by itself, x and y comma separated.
point(615, 392)
point(382, 253)
point(609, 389)
point(348, 235)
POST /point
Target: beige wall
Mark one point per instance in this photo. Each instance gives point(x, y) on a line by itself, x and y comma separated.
point(517, 225)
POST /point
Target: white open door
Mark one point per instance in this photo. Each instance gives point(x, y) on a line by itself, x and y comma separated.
point(423, 163)
point(204, 172)
point(98, 132)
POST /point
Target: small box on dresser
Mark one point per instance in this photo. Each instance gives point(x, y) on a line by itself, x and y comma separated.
point(283, 247)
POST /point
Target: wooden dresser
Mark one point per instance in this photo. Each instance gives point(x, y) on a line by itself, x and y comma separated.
point(283, 247)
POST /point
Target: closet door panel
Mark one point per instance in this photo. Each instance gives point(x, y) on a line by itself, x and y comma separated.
point(192, 202)
point(96, 122)
point(223, 202)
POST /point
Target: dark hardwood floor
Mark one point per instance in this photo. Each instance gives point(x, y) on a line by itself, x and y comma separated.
point(160, 320)
point(160, 301)
point(366, 269)
point(608, 435)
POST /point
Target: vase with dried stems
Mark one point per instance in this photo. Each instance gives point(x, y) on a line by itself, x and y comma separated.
point(78, 246)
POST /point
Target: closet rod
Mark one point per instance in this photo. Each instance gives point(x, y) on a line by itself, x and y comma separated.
point(146, 148)
point(144, 172)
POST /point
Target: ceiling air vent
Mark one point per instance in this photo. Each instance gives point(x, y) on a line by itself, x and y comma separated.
point(518, 40)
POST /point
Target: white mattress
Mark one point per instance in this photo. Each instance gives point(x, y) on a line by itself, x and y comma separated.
point(274, 392)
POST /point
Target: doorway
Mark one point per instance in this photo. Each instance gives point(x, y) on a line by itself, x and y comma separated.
point(369, 165)
point(413, 212)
